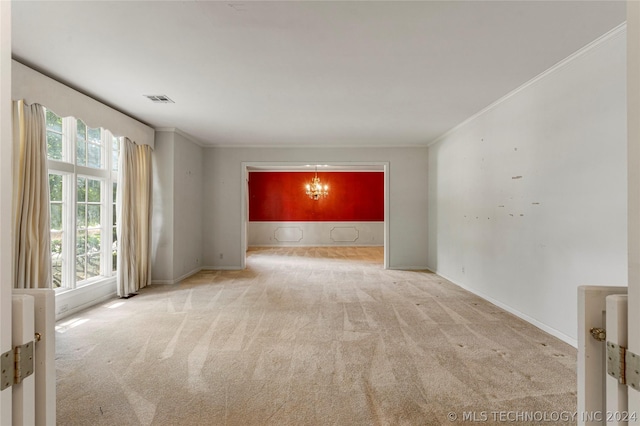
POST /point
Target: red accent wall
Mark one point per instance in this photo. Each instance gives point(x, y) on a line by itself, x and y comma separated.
point(281, 197)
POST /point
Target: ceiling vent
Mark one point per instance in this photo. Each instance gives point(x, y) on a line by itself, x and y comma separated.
point(159, 99)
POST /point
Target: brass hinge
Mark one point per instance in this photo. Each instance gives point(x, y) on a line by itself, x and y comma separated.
point(624, 365)
point(16, 365)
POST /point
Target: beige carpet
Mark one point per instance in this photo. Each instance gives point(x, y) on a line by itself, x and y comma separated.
point(306, 336)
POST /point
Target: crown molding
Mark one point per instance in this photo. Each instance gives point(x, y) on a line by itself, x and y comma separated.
point(616, 32)
point(183, 134)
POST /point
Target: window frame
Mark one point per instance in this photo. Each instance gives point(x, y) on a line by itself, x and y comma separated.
point(70, 171)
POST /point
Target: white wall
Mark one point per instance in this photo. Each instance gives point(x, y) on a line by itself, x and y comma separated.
point(187, 255)
point(528, 199)
point(162, 217)
point(176, 247)
point(223, 181)
point(309, 234)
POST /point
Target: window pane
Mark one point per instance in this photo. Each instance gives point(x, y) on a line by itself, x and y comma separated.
point(114, 250)
point(80, 264)
point(81, 216)
point(55, 187)
point(94, 190)
point(56, 243)
point(93, 254)
point(93, 215)
point(54, 146)
point(81, 243)
point(54, 122)
point(93, 266)
point(55, 197)
point(56, 258)
point(56, 216)
point(82, 130)
point(114, 245)
point(82, 190)
point(115, 152)
point(94, 135)
point(95, 156)
point(81, 153)
point(93, 242)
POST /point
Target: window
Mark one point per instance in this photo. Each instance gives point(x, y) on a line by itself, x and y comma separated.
point(83, 164)
point(114, 236)
point(55, 196)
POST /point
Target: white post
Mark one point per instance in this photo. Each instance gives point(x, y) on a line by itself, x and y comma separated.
point(591, 353)
point(633, 183)
point(22, 333)
point(45, 354)
point(5, 197)
point(617, 403)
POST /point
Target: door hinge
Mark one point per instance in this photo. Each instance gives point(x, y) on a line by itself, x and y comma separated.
point(624, 365)
point(16, 365)
point(615, 361)
point(7, 369)
point(632, 369)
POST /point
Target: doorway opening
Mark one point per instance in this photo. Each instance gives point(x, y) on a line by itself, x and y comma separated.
point(247, 167)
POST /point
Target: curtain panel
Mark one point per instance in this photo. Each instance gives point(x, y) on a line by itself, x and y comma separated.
point(134, 217)
point(31, 233)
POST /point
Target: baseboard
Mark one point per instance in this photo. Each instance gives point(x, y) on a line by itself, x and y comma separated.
point(222, 268)
point(177, 280)
point(162, 282)
point(550, 330)
point(74, 301)
point(409, 268)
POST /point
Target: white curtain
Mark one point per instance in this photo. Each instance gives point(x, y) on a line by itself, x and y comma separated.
point(32, 232)
point(134, 217)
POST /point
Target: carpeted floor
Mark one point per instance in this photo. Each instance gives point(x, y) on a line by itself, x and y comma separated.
point(307, 336)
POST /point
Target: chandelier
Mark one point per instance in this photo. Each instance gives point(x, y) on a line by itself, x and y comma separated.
point(315, 190)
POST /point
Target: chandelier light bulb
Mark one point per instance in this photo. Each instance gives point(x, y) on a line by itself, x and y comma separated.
point(315, 190)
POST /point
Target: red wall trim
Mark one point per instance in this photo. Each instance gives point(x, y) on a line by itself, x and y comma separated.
point(280, 197)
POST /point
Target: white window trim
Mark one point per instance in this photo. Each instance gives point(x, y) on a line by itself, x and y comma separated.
point(70, 173)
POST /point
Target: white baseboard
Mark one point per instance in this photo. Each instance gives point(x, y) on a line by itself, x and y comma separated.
point(177, 280)
point(73, 301)
point(552, 331)
point(222, 268)
point(409, 268)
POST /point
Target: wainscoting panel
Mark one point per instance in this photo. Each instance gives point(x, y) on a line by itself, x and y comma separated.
point(344, 234)
point(288, 234)
point(315, 234)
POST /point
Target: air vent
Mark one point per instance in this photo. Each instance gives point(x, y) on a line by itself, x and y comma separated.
point(159, 99)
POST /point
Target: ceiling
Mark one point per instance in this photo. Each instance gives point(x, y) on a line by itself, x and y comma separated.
point(322, 74)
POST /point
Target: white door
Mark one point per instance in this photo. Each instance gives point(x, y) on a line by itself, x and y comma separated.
point(633, 126)
point(5, 197)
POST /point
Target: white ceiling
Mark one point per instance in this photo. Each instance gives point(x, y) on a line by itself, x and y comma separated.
point(264, 73)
